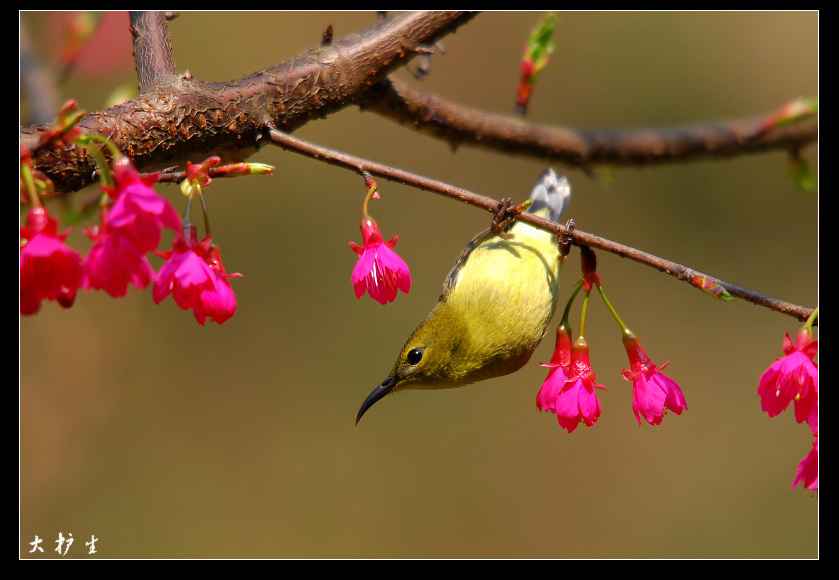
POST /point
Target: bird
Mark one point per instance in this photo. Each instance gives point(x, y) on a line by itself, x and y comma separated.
point(495, 305)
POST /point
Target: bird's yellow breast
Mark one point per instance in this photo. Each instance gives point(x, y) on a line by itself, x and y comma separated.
point(507, 291)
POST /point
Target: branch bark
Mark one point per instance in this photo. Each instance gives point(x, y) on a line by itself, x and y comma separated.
point(460, 125)
point(152, 49)
point(186, 119)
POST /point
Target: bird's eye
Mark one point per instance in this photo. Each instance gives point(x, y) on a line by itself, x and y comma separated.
point(414, 356)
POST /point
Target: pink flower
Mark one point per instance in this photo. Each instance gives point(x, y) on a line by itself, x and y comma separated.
point(195, 277)
point(113, 263)
point(130, 229)
point(652, 390)
point(568, 390)
point(808, 469)
point(218, 303)
point(185, 275)
point(795, 377)
point(139, 213)
point(813, 419)
point(379, 270)
point(49, 269)
point(560, 368)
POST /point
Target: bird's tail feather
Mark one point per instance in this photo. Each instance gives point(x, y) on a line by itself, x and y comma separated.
point(550, 195)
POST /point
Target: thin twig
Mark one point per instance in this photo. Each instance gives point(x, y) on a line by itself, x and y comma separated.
point(581, 238)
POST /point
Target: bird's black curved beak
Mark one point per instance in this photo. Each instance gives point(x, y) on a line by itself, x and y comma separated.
point(379, 392)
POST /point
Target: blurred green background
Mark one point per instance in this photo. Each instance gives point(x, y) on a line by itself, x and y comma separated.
point(163, 438)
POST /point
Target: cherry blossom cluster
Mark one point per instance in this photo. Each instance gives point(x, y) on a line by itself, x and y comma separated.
point(794, 379)
point(132, 217)
point(570, 389)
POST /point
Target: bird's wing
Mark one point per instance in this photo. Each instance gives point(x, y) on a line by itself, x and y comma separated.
point(451, 279)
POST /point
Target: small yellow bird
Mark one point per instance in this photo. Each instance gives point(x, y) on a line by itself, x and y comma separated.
point(494, 308)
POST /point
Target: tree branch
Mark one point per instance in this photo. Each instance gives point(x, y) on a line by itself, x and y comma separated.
point(152, 49)
point(178, 118)
point(186, 119)
point(431, 114)
point(579, 237)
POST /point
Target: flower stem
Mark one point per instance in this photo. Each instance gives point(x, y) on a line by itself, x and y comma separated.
point(583, 315)
point(31, 191)
point(611, 309)
point(571, 301)
point(372, 191)
point(204, 209)
point(812, 318)
point(188, 208)
point(105, 173)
